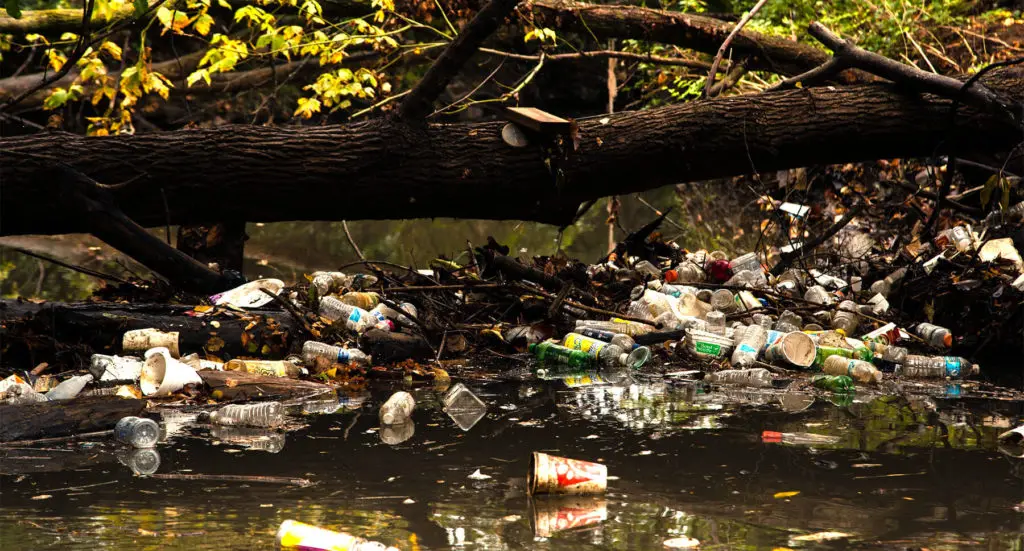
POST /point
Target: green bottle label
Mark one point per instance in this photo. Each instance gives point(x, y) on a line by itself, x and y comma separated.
point(708, 348)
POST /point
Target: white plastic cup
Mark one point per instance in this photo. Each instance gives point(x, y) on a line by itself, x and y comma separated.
point(162, 375)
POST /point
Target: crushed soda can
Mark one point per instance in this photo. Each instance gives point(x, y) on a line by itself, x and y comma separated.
point(550, 474)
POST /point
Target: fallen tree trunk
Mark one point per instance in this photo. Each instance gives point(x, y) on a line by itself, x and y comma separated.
point(44, 419)
point(229, 386)
point(385, 169)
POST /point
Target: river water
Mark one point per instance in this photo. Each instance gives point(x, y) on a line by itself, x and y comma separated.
point(919, 469)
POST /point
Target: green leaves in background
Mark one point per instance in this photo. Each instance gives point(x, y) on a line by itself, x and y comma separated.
point(13, 8)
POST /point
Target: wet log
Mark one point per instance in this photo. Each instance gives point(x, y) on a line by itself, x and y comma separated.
point(60, 418)
point(386, 346)
point(264, 174)
point(237, 385)
point(32, 329)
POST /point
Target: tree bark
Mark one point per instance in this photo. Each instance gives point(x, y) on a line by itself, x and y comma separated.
point(44, 419)
point(388, 170)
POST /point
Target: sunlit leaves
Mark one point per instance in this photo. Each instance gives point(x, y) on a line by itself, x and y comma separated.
point(541, 35)
point(202, 24)
point(56, 59)
point(60, 96)
point(1000, 183)
point(307, 106)
point(172, 20)
point(256, 17)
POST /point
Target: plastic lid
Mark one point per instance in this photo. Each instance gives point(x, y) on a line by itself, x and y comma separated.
point(771, 436)
point(947, 340)
point(975, 369)
point(638, 357)
point(671, 276)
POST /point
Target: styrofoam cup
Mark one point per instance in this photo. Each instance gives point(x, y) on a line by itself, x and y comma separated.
point(162, 375)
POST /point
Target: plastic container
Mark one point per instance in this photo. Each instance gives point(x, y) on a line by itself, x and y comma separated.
point(723, 300)
point(163, 375)
point(397, 409)
point(264, 414)
point(795, 348)
point(823, 352)
point(355, 318)
point(748, 261)
point(69, 388)
point(647, 269)
point(608, 354)
point(845, 318)
point(464, 407)
point(937, 336)
point(311, 350)
point(137, 432)
point(858, 370)
point(687, 272)
point(716, 322)
point(884, 286)
point(631, 328)
point(758, 377)
point(269, 368)
point(788, 322)
point(798, 438)
point(708, 345)
point(937, 367)
point(819, 295)
point(618, 339)
point(749, 343)
point(688, 305)
point(835, 383)
point(366, 301)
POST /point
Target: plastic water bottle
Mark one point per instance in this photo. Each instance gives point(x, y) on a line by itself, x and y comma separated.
point(788, 322)
point(366, 301)
point(823, 352)
point(650, 304)
point(549, 352)
point(265, 414)
point(937, 336)
point(749, 343)
point(884, 286)
point(311, 350)
point(846, 318)
point(324, 283)
point(748, 262)
point(630, 328)
point(618, 339)
point(397, 409)
point(607, 354)
point(758, 377)
point(937, 367)
point(716, 322)
point(392, 314)
point(724, 301)
point(646, 268)
point(69, 388)
point(819, 295)
point(270, 368)
point(858, 370)
point(355, 318)
point(137, 432)
point(687, 272)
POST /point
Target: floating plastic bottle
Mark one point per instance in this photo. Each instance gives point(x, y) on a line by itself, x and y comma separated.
point(618, 339)
point(758, 377)
point(819, 295)
point(937, 367)
point(264, 414)
point(270, 368)
point(688, 305)
point(749, 343)
point(355, 318)
point(397, 409)
point(858, 370)
point(399, 317)
point(788, 322)
point(312, 350)
point(823, 352)
point(325, 283)
point(651, 304)
point(608, 355)
point(646, 268)
point(798, 438)
point(835, 383)
point(937, 336)
point(846, 318)
point(549, 352)
point(297, 535)
point(137, 432)
point(884, 286)
point(631, 328)
point(364, 300)
point(884, 352)
point(69, 388)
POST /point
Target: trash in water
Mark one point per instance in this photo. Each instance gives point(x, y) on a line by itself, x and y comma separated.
point(137, 432)
point(463, 406)
point(550, 474)
point(397, 409)
point(249, 295)
point(295, 534)
point(551, 514)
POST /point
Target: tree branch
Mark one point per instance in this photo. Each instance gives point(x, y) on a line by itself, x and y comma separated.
point(605, 54)
point(418, 104)
point(709, 90)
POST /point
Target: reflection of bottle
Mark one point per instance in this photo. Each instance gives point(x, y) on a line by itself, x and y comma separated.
point(397, 409)
point(265, 414)
point(137, 432)
point(393, 435)
point(835, 383)
point(142, 461)
point(798, 438)
point(294, 534)
point(253, 438)
point(758, 377)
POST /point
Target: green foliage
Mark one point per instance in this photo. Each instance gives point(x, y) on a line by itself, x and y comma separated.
point(13, 8)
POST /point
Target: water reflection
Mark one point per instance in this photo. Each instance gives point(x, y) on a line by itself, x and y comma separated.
point(141, 461)
point(394, 435)
point(250, 438)
point(551, 514)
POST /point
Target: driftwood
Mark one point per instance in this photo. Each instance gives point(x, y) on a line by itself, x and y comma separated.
point(238, 385)
point(45, 419)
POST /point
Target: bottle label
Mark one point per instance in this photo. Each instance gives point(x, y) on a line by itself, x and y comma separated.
point(708, 348)
point(578, 342)
point(355, 316)
point(952, 366)
point(343, 356)
point(747, 348)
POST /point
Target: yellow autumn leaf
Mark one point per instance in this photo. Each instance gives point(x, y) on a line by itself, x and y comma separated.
point(203, 308)
point(781, 495)
point(202, 24)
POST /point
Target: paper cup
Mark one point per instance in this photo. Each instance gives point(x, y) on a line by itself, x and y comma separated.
point(141, 340)
point(551, 474)
point(162, 375)
point(793, 348)
point(553, 514)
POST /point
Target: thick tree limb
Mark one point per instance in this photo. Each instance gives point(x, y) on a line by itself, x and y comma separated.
point(605, 54)
point(466, 170)
point(419, 103)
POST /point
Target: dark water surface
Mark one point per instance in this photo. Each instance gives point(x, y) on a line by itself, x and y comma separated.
point(920, 470)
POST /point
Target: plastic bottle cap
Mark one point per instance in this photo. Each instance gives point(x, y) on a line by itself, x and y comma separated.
point(671, 276)
point(947, 340)
point(771, 436)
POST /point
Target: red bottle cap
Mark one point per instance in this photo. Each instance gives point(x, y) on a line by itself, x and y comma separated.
point(671, 276)
point(771, 436)
point(947, 340)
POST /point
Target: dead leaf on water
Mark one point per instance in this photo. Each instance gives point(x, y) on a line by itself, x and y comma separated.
point(781, 495)
point(41, 497)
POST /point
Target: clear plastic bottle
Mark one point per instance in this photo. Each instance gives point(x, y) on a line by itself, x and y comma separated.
point(264, 414)
point(137, 432)
point(858, 370)
point(764, 320)
point(651, 304)
point(748, 261)
point(846, 318)
point(464, 407)
point(687, 272)
point(270, 368)
point(647, 269)
point(724, 301)
point(788, 322)
point(312, 350)
point(355, 318)
point(397, 409)
point(366, 301)
point(884, 286)
point(789, 283)
point(749, 344)
point(688, 305)
point(937, 336)
point(937, 367)
point(819, 295)
point(625, 327)
point(798, 438)
point(669, 321)
point(324, 283)
point(716, 322)
point(618, 339)
point(607, 354)
point(758, 377)
point(69, 388)
point(399, 317)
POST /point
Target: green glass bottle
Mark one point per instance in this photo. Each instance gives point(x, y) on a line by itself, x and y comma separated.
point(836, 383)
point(823, 352)
point(551, 353)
